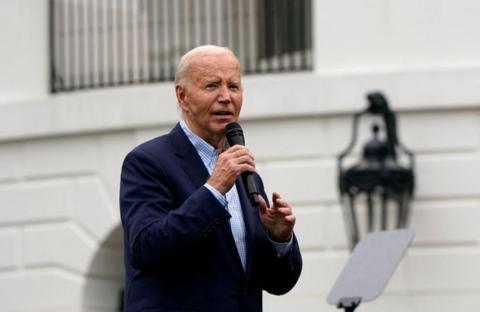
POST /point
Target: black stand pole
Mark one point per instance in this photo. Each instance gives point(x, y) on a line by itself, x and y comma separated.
point(349, 304)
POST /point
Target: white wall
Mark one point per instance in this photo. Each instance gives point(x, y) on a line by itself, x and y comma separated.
point(392, 35)
point(24, 59)
point(60, 156)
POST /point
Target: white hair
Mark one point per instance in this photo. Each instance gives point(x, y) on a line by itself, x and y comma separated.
point(183, 66)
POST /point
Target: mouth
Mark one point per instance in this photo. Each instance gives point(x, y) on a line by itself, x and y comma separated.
point(222, 114)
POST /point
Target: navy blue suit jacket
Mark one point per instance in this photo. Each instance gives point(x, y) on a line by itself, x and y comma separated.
point(180, 253)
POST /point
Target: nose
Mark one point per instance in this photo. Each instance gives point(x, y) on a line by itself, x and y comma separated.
point(224, 95)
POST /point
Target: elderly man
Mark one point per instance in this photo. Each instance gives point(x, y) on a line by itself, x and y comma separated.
point(193, 242)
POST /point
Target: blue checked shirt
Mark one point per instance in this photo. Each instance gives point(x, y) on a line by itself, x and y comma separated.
point(230, 200)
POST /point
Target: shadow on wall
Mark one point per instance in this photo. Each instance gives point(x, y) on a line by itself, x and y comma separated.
point(105, 278)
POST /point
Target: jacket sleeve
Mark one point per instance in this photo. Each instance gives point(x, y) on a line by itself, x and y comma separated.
point(160, 230)
point(279, 274)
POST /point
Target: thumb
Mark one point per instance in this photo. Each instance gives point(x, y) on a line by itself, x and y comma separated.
point(263, 205)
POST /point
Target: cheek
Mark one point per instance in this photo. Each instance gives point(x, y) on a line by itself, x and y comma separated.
point(238, 104)
point(196, 108)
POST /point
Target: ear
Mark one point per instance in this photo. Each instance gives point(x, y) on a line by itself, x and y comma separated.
point(180, 92)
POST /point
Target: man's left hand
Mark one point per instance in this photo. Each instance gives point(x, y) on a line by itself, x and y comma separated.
point(279, 219)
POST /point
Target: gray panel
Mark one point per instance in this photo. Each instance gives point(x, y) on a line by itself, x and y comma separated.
point(371, 265)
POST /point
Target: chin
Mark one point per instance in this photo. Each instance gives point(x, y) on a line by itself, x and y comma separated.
point(219, 125)
point(222, 124)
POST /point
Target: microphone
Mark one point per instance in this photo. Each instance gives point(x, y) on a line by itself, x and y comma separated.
point(234, 134)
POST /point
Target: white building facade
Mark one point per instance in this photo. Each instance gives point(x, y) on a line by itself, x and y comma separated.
point(61, 154)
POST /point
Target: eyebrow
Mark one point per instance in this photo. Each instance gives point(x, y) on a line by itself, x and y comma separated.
point(210, 81)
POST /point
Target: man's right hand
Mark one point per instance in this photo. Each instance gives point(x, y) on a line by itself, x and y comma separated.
point(230, 164)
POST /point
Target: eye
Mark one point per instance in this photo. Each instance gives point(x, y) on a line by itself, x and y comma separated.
point(211, 85)
point(233, 86)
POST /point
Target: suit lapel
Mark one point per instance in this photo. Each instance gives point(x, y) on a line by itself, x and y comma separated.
point(194, 168)
point(190, 161)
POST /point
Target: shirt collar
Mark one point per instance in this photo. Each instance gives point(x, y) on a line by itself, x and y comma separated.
point(204, 149)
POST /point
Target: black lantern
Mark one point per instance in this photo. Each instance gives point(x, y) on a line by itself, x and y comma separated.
point(376, 192)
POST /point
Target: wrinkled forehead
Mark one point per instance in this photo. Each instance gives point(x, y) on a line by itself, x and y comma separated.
point(224, 63)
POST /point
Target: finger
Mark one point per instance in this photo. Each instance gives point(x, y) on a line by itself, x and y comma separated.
point(263, 205)
point(240, 164)
point(244, 154)
point(284, 211)
point(281, 203)
point(236, 165)
point(290, 219)
point(236, 148)
point(278, 201)
point(245, 168)
point(239, 156)
point(275, 197)
point(246, 159)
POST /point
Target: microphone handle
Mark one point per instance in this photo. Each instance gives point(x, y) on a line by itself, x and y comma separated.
point(251, 188)
point(234, 134)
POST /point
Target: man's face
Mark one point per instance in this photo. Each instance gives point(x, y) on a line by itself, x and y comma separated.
point(212, 96)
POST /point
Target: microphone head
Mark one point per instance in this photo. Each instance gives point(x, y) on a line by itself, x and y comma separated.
point(233, 126)
point(234, 134)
